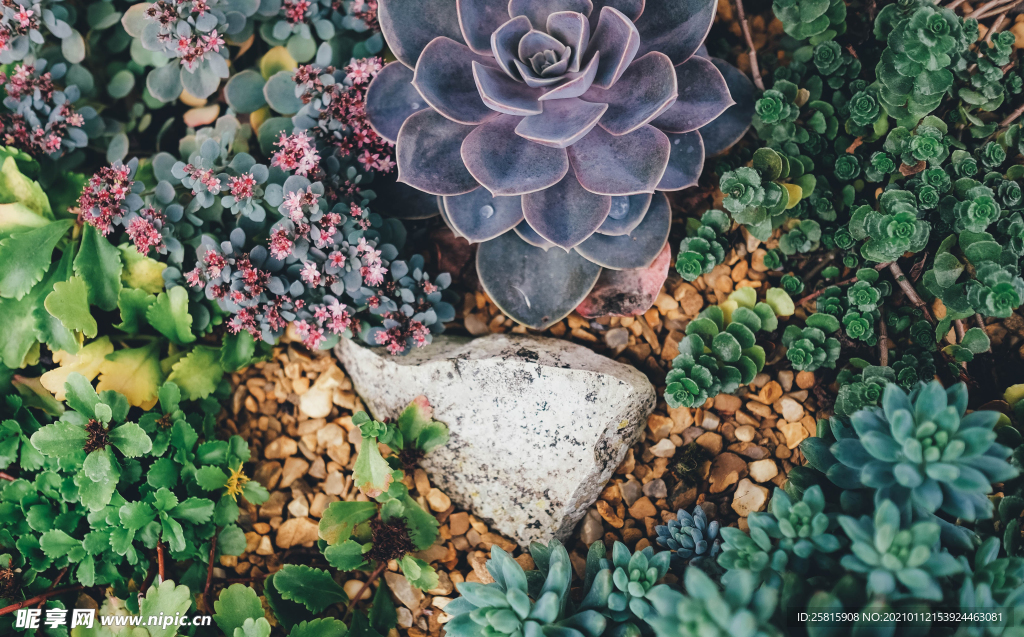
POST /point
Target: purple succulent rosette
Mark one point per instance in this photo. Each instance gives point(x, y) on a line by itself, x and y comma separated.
point(551, 124)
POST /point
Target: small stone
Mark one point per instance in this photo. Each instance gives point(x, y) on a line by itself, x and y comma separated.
point(785, 378)
point(770, 393)
point(410, 596)
point(763, 470)
point(422, 482)
point(476, 325)
point(274, 506)
point(294, 468)
point(321, 502)
point(664, 449)
point(487, 540)
point(268, 474)
point(727, 403)
point(280, 448)
point(710, 441)
point(745, 433)
point(805, 380)
point(710, 421)
point(630, 490)
point(353, 588)
point(298, 508)
point(656, 489)
point(478, 562)
point(526, 562)
point(726, 469)
point(592, 531)
point(438, 501)
point(297, 531)
point(265, 547)
point(316, 403)
point(444, 584)
point(642, 508)
point(616, 337)
point(608, 514)
point(759, 409)
point(749, 450)
point(458, 523)
point(790, 409)
point(794, 432)
point(582, 412)
point(318, 469)
point(330, 435)
point(749, 497)
point(334, 484)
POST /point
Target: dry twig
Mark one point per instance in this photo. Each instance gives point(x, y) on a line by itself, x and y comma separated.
point(755, 70)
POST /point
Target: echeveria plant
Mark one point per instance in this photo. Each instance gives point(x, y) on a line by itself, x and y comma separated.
point(550, 123)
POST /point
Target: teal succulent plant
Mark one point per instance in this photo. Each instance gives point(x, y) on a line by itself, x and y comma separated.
point(743, 609)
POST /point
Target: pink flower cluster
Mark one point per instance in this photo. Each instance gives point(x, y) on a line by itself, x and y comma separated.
point(242, 187)
point(297, 153)
point(144, 230)
point(295, 10)
point(395, 338)
point(102, 199)
point(373, 269)
point(205, 176)
point(15, 129)
point(192, 48)
point(346, 103)
point(366, 10)
point(333, 318)
point(24, 20)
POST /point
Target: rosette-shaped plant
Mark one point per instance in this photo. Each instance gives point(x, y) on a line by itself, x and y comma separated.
point(800, 528)
point(893, 231)
point(814, 20)
point(550, 124)
point(914, 70)
point(897, 562)
point(699, 254)
point(921, 449)
point(743, 608)
point(690, 536)
point(504, 607)
point(808, 349)
point(633, 578)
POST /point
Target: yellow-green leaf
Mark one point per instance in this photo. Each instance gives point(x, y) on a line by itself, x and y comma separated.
point(141, 271)
point(86, 362)
point(134, 373)
point(198, 373)
point(69, 303)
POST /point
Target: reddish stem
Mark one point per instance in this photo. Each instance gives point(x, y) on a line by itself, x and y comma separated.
point(811, 297)
point(39, 598)
point(910, 292)
point(209, 576)
point(4, 476)
point(160, 559)
point(358, 596)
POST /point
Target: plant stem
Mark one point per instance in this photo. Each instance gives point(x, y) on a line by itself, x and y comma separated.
point(7, 610)
point(811, 297)
point(910, 292)
point(1012, 116)
point(979, 321)
point(755, 71)
point(358, 596)
point(825, 260)
point(4, 476)
point(209, 575)
point(160, 559)
point(955, 4)
point(56, 581)
point(958, 325)
point(883, 341)
point(985, 7)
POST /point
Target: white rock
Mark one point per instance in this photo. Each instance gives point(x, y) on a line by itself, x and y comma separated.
point(745, 433)
point(749, 497)
point(763, 470)
point(664, 449)
point(537, 425)
point(791, 410)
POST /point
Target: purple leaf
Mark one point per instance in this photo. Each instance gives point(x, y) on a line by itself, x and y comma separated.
point(539, 10)
point(675, 27)
point(391, 99)
point(505, 43)
point(623, 165)
point(428, 154)
point(563, 122)
point(703, 96)
point(398, 200)
point(565, 214)
point(627, 292)
point(645, 90)
point(637, 249)
point(629, 8)
point(626, 214)
point(505, 95)
point(731, 125)
point(507, 164)
point(535, 287)
point(618, 41)
point(573, 30)
point(478, 216)
point(532, 79)
point(479, 19)
point(409, 27)
point(536, 42)
point(578, 84)
point(685, 162)
point(529, 235)
point(444, 77)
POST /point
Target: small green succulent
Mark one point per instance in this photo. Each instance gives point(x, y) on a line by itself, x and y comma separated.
point(634, 577)
point(801, 528)
point(699, 254)
point(504, 607)
point(743, 609)
point(893, 231)
point(978, 211)
point(690, 536)
point(921, 449)
point(897, 562)
point(863, 390)
point(997, 291)
point(808, 349)
point(814, 20)
point(804, 236)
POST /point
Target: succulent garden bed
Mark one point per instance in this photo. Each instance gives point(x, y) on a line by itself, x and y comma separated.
point(799, 220)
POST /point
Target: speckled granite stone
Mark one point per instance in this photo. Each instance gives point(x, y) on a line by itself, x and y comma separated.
point(538, 425)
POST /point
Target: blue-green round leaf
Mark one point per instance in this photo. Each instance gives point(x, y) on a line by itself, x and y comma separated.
point(164, 83)
point(726, 347)
point(279, 92)
point(244, 91)
point(121, 84)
